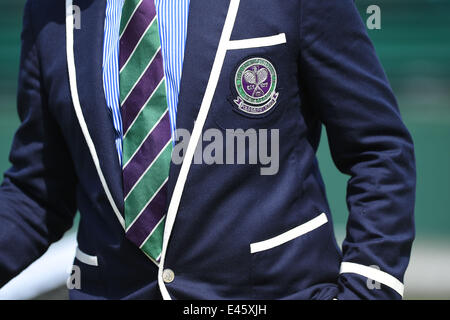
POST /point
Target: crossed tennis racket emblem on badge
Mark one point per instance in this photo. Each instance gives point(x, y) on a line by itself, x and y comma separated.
point(255, 82)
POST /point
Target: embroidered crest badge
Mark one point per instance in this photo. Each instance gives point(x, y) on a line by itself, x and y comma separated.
point(255, 82)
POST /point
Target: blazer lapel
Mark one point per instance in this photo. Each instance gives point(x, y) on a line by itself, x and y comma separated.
point(200, 53)
point(204, 58)
point(205, 25)
point(88, 56)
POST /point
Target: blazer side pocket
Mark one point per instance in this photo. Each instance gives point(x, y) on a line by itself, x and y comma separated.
point(301, 263)
point(289, 235)
point(91, 280)
point(85, 258)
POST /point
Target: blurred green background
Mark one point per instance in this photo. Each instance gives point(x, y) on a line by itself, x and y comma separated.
point(414, 48)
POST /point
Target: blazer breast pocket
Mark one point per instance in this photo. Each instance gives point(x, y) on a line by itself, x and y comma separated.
point(250, 91)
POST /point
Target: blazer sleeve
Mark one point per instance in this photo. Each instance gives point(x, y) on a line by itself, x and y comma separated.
point(344, 82)
point(37, 196)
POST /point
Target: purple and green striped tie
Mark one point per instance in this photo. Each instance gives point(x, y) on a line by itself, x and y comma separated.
point(147, 146)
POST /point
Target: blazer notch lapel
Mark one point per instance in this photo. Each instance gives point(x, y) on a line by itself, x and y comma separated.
point(88, 58)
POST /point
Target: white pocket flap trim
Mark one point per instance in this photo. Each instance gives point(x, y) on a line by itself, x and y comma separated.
point(86, 259)
point(289, 235)
point(257, 42)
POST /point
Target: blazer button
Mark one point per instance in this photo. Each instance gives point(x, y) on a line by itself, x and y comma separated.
point(168, 276)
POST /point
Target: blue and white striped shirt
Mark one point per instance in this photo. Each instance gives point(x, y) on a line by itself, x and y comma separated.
point(172, 20)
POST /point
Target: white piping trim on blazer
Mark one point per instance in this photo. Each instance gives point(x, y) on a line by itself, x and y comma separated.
point(79, 112)
point(374, 274)
point(196, 133)
point(289, 235)
point(257, 42)
point(85, 258)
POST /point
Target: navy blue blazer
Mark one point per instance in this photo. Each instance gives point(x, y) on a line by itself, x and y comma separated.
point(231, 233)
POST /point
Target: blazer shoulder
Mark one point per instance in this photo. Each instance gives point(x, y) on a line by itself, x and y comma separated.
point(42, 12)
